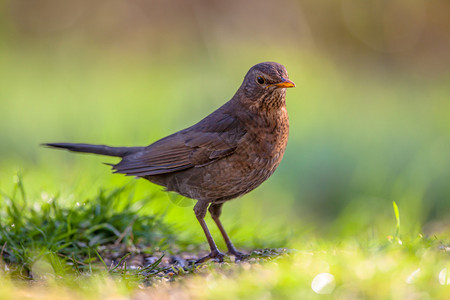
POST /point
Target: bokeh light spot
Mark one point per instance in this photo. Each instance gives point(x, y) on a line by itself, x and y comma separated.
point(323, 283)
point(413, 276)
point(443, 277)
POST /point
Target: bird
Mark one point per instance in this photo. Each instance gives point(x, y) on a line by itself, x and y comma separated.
point(222, 157)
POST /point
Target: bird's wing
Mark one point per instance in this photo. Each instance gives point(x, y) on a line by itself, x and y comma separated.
point(196, 146)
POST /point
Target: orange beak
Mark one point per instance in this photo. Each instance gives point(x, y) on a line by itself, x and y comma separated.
point(285, 83)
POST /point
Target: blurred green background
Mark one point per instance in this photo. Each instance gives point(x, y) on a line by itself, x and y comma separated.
point(370, 117)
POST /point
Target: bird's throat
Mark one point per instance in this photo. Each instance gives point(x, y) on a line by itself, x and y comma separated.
point(273, 101)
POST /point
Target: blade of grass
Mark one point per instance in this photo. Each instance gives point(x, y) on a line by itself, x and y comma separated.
point(397, 218)
point(101, 259)
point(120, 262)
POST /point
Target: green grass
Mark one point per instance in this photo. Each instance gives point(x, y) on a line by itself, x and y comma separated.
point(31, 231)
point(65, 250)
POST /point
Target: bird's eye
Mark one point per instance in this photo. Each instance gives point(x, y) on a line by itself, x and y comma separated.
point(260, 80)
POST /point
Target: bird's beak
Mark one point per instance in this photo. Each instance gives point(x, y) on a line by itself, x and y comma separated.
point(285, 83)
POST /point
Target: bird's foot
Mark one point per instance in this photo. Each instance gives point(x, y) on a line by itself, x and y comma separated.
point(238, 255)
point(216, 255)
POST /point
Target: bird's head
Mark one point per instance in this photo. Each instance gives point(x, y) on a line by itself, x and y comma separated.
point(265, 85)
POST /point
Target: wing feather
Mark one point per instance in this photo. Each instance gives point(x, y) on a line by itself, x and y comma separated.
point(211, 139)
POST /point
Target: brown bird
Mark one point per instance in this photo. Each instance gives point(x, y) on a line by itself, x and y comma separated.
point(226, 155)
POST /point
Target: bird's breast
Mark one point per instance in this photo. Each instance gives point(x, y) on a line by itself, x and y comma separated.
point(265, 141)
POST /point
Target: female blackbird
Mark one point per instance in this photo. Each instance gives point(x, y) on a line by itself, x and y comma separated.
point(224, 156)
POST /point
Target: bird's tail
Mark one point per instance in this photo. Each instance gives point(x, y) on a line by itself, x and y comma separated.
point(97, 149)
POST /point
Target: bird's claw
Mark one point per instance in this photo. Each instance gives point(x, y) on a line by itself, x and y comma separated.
point(216, 255)
point(238, 255)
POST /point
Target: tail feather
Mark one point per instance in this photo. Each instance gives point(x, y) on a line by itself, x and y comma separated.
point(97, 149)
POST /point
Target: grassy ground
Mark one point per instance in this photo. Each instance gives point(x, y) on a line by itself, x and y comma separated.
point(359, 141)
point(106, 248)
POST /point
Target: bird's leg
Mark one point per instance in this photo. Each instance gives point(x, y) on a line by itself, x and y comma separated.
point(215, 210)
point(200, 212)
